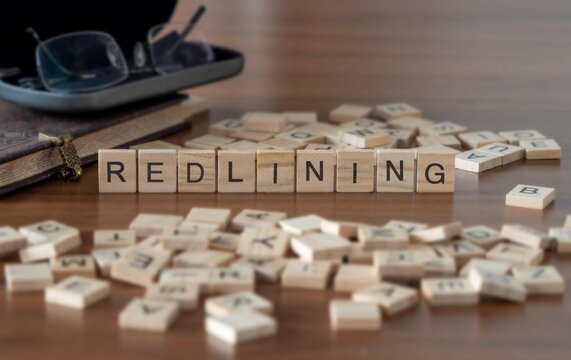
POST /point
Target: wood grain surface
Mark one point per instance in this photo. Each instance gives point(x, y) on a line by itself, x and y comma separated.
point(488, 65)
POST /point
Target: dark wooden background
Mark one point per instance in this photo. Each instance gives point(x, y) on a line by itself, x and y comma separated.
point(488, 65)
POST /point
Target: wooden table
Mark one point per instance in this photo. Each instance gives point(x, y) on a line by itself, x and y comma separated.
point(496, 65)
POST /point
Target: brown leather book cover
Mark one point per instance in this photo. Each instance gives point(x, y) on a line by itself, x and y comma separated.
point(27, 157)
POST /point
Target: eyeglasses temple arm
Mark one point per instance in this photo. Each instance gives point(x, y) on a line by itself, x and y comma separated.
point(35, 35)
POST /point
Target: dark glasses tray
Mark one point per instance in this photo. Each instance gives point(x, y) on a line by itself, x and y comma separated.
point(227, 63)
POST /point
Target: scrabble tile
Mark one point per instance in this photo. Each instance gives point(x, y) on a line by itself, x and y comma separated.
point(362, 124)
point(220, 217)
point(257, 218)
point(499, 267)
point(527, 236)
point(255, 136)
point(265, 121)
point(28, 277)
point(446, 140)
point(221, 306)
point(351, 277)
point(439, 233)
point(236, 171)
point(346, 229)
point(395, 170)
point(196, 170)
point(435, 171)
point(301, 117)
point(449, 291)
point(355, 170)
point(302, 224)
point(349, 112)
point(154, 242)
point(48, 239)
point(514, 137)
point(154, 145)
point(275, 171)
point(188, 236)
point(382, 238)
point(81, 265)
point(358, 255)
point(243, 145)
point(230, 280)
point(404, 137)
point(11, 240)
point(332, 147)
point(567, 223)
point(396, 111)
point(319, 246)
point(223, 241)
point(263, 242)
point(442, 128)
point(476, 139)
point(226, 127)
point(267, 269)
point(391, 298)
point(304, 134)
point(424, 251)
point(139, 266)
point(157, 171)
point(530, 196)
point(540, 280)
point(462, 251)
point(509, 153)
point(407, 226)
point(346, 315)
point(153, 224)
point(194, 276)
point(77, 292)
point(203, 258)
point(497, 285)
point(148, 315)
point(365, 137)
point(409, 123)
point(307, 275)
point(283, 144)
point(541, 149)
point(516, 254)
point(105, 257)
point(562, 237)
point(241, 326)
point(399, 264)
point(117, 170)
point(482, 235)
point(315, 170)
point(439, 266)
point(104, 239)
point(208, 142)
point(184, 294)
point(477, 161)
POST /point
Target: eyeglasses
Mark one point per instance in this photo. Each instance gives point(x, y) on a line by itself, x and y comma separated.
point(86, 61)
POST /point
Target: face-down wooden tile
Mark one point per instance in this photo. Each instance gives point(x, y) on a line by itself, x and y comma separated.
point(499, 267)
point(302, 224)
point(352, 277)
point(203, 258)
point(319, 246)
point(241, 326)
point(28, 277)
point(346, 315)
point(349, 112)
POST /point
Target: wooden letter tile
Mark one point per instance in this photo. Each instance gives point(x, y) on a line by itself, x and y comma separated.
point(482, 235)
point(449, 291)
point(275, 171)
point(365, 137)
point(514, 137)
point(476, 139)
point(226, 127)
point(208, 142)
point(499, 267)
point(230, 280)
point(257, 218)
point(265, 121)
point(462, 251)
point(351, 277)
point(355, 170)
point(540, 279)
point(347, 315)
point(438, 233)
point(184, 294)
point(302, 224)
point(77, 292)
point(407, 226)
point(193, 276)
point(563, 238)
point(153, 224)
point(283, 144)
point(392, 298)
point(188, 236)
point(236, 171)
point(103, 239)
point(241, 326)
point(508, 153)
point(497, 285)
point(347, 112)
point(446, 140)
point(396, 170)
point(263, 242)
point(307, 275)
point(154, 145)
point(301, 117)
point(266, 269)
point(196, 170)
point(148, 315)
point(362, 124)
point(225, 305)
point(527, 236)
point(409, 123)
point(28, 277)
point(139, 266)
point(402, 265)
point(303, 134)
point(442, 128)
point(11, 240)
point(220, 217)
point(64, 266)
point(319, 246)
point(382, 238)
point(344, 229)
point(516, 254)
point(117, 170)
point(316, 170)
point(541, 149)
point(223, 241)
point(105, 257)
point(203, 258)
point(48, 239)
point(530, 196)
point(477, 161)
point(396, 111)
point(435, 171)
point(157, 171)
point(254, 136)
point(439, 266)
